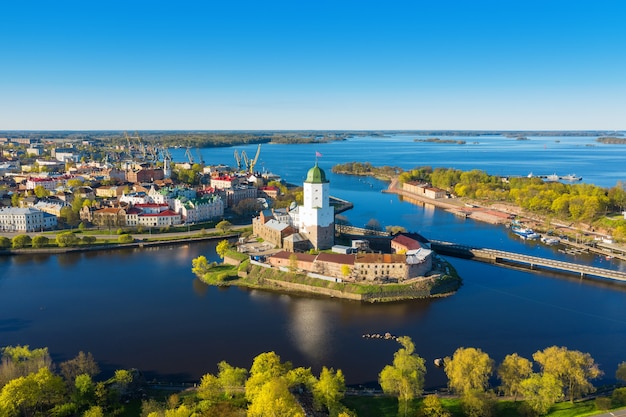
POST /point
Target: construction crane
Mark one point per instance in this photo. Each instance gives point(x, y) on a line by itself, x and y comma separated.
point(189, 156)
point(238, 159)
point(252, 163)
point(200, 158)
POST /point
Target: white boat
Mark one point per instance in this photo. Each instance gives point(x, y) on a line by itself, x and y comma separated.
point(552, 178)
point(523, 232)
point(550, 240)
point(571, 177)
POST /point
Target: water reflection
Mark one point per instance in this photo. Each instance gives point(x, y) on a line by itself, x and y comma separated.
point(199, 288)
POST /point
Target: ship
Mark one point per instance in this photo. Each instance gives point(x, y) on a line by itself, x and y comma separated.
point(571, 177)
point(523, 232)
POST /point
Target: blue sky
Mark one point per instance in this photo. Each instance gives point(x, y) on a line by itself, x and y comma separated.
point(437, 64)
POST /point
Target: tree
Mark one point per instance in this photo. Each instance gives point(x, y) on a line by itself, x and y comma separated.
point(293, 262)
point(209, 388)
point(478, 403)
point(36, 391)
point(222, 248)
point(95, 411)
point(16, 198)
point(41, 191)
point(20, 241)
point(513, 370)
point(621, 372)
point(468, 370)
point(405, 377)
point(89, 240)
point(230, 378)
point(265, 367)
point(66, 239)
point(40, 241)
point(541, 391)
point(82, 364)
point(84, 390)
point(573, 368)
point(373, 225)
point(5, 242)
point(273, 399)
point(223, 226)
point(345, 270)
point(432, 407)
point(21, 361)
point(125, 238)
point(394, 230)
point(329, 389)
point(200, 266)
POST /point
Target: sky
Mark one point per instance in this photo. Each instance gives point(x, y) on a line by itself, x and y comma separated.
point(323, 65)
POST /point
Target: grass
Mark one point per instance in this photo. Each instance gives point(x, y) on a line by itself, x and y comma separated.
point(384, 406)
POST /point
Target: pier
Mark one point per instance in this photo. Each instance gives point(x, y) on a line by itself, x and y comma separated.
point(517, 261)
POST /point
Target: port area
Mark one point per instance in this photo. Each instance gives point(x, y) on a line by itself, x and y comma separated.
point(574, 239)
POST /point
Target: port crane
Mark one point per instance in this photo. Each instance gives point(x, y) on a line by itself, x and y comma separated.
point(189, 155)
point(245, 161)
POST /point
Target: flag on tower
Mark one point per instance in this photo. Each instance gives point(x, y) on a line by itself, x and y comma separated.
point(317, 154)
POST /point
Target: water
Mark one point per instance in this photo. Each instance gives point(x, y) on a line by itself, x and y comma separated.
point(144, 308)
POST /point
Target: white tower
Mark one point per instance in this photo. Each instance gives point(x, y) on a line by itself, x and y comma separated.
point(317, 216)
point(167, 167)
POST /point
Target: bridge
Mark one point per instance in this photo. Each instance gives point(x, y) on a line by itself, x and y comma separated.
point(517, 260)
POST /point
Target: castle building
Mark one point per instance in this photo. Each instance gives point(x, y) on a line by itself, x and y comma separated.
point(317, 216)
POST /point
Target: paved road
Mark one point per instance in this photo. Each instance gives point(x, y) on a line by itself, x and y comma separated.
point(139, 236)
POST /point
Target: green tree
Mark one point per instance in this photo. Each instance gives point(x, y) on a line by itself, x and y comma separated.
point(84, 390)
point(432, 407)
point(5, 242)
point(513, 370)
point(16, 198)
point(210, 388)
point(468, 370)
point(223, 226)
point(621, 372)
point(20, 241)
point(477, 403)
point(265, 367)
point(94, 411)
point(230, 378)
point(405, 377)
point(40, 241)
point(125, 238)
point(21, 361)
point(573, 368)
point(329, 389)
point(41, 191)
point(66, 239)
point(200, 266)
point(25, 395)
point(293, 262)
point(541, 391)
point(273, 399)
point(222, 248)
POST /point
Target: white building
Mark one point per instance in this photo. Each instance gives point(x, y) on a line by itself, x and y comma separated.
point(199, 209)
point(13, 219)
point(316, 215)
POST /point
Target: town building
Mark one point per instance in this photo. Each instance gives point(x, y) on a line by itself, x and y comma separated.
point(316, 215)
point(15, 219)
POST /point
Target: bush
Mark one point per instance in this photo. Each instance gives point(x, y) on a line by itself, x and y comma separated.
point(120, 231)
point(5, 242)
point(66, 239)
point(20, 241)
point(619, 397)
point(40, 241)
point(125, 238)
point(603, 403)
point(88, 240)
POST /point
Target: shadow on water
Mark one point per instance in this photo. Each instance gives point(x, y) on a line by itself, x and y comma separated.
point(12, 325)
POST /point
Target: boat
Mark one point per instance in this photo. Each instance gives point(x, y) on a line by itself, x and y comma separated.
point(550, 240)
point(571, 177)
point(524, 232)
point(552, 178)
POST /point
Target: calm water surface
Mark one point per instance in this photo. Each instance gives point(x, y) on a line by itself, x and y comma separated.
point(144, 308)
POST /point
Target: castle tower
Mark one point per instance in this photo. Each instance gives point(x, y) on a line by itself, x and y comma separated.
point(317, 216)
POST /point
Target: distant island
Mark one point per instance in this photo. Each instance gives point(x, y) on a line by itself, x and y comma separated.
point(612, 140)
point(437, 140)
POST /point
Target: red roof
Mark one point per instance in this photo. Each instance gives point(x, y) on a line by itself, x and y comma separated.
point(337, 258)
point(407, 242)
point(166, 213)
point(151, 205)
